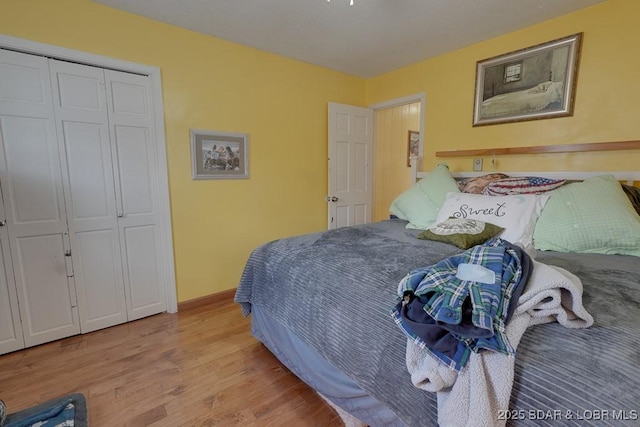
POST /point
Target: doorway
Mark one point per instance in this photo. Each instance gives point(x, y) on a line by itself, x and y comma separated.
point(393, 120)
point(368, 157)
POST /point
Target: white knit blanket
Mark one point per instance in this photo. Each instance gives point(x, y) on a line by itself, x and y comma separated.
point(476, 395)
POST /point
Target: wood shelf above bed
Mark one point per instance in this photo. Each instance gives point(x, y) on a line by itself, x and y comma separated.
point(563, 148)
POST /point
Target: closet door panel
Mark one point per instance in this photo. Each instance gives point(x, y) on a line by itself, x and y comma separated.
point(90, 180)
point(81, 114)
point(93, 226)
point(10, 326)
point(138, 223)
point(137, 196)
point(32, 184)
point(136, 169)
point(142, 271)
point(31, 180)
point(80, 87)
point(130, 95)
point(24, 85)
point(49, 310)
point(97, 265)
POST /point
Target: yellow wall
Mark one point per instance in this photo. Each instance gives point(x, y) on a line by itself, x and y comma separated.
point(213, 84)
point(607, 100)
point(391, 174)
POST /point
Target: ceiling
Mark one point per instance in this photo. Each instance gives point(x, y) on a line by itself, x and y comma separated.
point(370, 38)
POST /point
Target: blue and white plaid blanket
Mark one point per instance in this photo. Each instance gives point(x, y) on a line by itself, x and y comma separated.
point(466, 296)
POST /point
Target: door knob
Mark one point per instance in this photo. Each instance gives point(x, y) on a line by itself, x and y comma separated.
point(3, 223)
point(332, 199)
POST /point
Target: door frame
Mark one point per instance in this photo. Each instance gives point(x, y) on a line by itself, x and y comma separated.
point(37, 48)
point(396, 102)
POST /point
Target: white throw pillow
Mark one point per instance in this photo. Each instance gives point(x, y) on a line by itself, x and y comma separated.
point(516, 214)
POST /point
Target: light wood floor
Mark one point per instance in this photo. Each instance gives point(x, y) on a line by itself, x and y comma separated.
point(200, 367)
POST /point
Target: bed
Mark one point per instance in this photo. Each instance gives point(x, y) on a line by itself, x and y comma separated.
point(323, 302)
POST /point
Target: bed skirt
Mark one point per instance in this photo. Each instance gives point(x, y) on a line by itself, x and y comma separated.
point(333, 384)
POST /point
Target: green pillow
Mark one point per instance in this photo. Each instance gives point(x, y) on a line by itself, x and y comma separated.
point(464, 233)
point(592, 216)
point(420, 203)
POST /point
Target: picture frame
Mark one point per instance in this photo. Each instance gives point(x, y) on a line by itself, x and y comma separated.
point(219, 155)
point(413, 145)
point(538, 82)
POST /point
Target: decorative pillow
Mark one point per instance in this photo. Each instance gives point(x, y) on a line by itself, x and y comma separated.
point(420, 203)
point(464, 233)
point(477, 184)
point(633, 193)
point(516, 214)
point(592, 216)
point(522, 185)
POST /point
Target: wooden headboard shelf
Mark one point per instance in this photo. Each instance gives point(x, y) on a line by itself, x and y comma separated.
point(564, 148)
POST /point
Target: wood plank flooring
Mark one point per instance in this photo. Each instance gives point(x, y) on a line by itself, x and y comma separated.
point(199, 367)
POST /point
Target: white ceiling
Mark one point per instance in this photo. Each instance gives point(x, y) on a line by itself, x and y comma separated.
point(365, 40)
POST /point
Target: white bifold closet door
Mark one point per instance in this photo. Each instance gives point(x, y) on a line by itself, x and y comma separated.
point(83, 129)
point(79, 216)
point(104, 121)
point(137, 198)
point(35, 216)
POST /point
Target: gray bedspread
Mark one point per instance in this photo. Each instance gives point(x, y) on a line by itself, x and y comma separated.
point(335, 289)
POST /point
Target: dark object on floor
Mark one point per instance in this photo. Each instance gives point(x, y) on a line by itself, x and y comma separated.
point(55, 412)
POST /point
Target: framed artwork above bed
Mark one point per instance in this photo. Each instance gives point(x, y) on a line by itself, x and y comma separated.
point(538, 82)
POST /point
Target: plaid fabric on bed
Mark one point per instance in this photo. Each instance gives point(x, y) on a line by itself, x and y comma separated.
point(443, 293)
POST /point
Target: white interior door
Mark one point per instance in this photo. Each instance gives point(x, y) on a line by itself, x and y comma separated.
point(31, 182)
point(83, 132)
point(350, 165)
point(133, 144)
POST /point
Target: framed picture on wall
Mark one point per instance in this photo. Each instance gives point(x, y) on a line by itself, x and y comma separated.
point(219, 155)
point(538, 82)
point(413, 146)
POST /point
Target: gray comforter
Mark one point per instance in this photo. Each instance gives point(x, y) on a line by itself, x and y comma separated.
point(335, 289)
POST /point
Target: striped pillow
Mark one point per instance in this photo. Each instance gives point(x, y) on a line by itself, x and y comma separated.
point(521, 185)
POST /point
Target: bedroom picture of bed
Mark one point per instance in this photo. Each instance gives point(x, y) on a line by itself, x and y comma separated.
point(486, 300)
point(281, 214)
point(533, 83)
